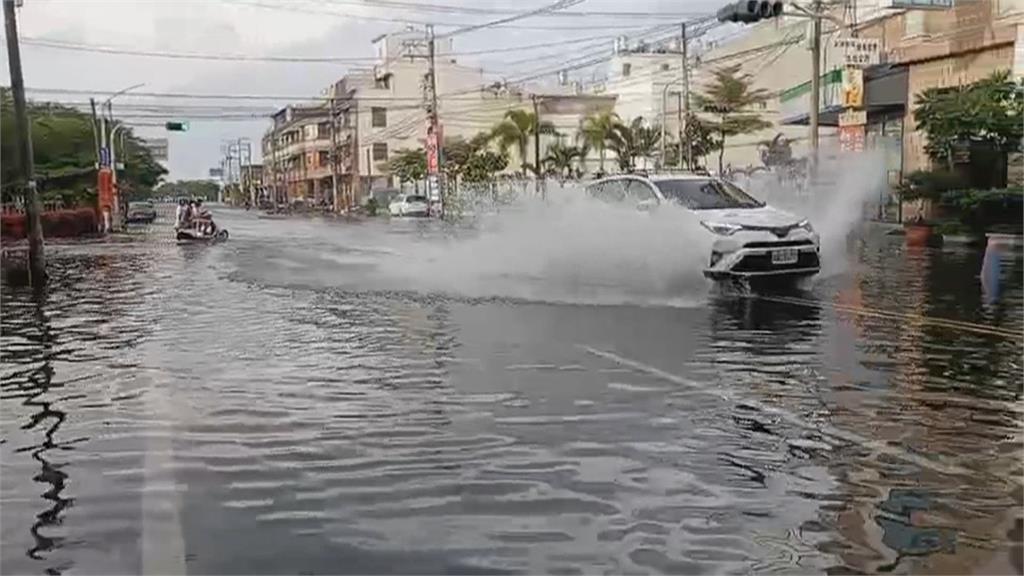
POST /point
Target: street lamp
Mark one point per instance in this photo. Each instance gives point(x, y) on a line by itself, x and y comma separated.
point(112, 153)
point(110, 112)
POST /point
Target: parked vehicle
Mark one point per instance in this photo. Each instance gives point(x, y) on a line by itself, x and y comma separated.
point(748, 239)
point(411, 205)
point(140, 213)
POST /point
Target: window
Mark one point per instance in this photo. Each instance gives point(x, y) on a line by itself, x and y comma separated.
point(626, 69)
point(323, 130)
point(379, 117)
point(382, 83)
point(380, 151)
point(325, 158)
point(638, 191)
point(608, 191)
point(706, 194)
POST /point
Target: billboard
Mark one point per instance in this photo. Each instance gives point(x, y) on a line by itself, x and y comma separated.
point(853, 88)
point(859, 52)
point(216, 172)
point(157, 148)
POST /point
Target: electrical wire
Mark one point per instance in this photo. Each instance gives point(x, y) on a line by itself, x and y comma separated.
point(82, 47)
point(452, 9)
point(556, 6)
point(350, 16)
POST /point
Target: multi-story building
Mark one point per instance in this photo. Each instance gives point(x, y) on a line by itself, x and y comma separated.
point(368, 115)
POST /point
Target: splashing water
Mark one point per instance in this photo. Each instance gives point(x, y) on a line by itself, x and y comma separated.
point(834, 203)
point(568, 249)
point(572, 249)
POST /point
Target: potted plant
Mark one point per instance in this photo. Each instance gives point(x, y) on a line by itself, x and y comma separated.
point(927, 188)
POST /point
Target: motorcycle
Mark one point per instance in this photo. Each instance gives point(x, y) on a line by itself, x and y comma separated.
point(201, 234)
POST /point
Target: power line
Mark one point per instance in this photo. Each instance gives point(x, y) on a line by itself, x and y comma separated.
point(452, 9)
point(559, 5)
point(82, 47)
point(349, 16)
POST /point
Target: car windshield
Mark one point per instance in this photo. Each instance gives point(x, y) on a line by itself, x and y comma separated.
point(411, 199)
point(706, 194)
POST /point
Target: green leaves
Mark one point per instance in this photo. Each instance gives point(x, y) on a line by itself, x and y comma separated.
point(990, 110)
point(516, 130)
point(64, 150)
point(632, 141)
point(560, 159)
point(729, 97)
point(408, 165)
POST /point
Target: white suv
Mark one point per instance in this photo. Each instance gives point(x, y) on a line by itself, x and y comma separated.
point(748, 238)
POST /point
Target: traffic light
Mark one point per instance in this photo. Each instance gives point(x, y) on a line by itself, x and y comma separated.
point(176, 126)
point(749, 11)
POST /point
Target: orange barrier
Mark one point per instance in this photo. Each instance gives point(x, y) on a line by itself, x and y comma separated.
point(56, 224)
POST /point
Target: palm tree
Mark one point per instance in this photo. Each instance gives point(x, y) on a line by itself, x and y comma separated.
point(730, 96)
point(632, 141)
point(560, 158)
point(516, 130)
point(597, 129)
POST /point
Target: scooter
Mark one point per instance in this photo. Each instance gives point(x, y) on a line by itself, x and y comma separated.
point(201, 234)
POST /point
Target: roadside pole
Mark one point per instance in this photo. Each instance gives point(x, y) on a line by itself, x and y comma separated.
point(435, 169)
point(36, 256)
point(815, 84)
point(538, 172)
point(683, 132)
point(334, 156)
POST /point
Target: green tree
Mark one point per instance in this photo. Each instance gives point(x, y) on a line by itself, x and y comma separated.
point(989, 111)
point(205, 189)
point(729, 97)
point(597, 130)
point(64, 150)
point(408, 165)
point(561, 159)
point(632, 141)
point(484, 165)
point(517, 129)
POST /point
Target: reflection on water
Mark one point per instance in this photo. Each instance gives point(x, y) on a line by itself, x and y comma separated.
point(236, 409)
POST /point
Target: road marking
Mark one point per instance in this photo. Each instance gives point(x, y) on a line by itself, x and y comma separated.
point(163, 544)
point(786, 415)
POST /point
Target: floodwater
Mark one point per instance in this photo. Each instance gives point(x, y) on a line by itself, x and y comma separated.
point(315, 397)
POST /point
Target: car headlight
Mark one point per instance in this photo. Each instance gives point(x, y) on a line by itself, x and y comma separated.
point(721, 228)
point(806, 225)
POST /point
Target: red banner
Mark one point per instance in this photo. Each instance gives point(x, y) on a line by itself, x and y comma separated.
point(851, 138)
point(433, 150)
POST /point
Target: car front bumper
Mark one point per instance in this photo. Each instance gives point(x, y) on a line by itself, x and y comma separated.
point(754, 260)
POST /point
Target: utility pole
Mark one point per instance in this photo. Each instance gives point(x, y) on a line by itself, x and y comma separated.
point(95, 130)
point(334, 155)
point(537, 185)
point(685, 114)
point(434, 120)
point(36, 256)
point(815, 83)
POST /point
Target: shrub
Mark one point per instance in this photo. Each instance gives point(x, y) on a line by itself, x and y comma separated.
point(930, 184)
point(982, 210)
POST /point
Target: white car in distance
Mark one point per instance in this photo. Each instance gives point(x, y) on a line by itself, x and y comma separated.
point(748, 238)
point(411, 205)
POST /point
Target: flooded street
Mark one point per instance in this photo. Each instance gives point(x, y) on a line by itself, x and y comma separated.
point(318, 397)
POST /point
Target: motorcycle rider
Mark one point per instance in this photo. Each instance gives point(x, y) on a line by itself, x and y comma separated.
point(181, 214)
